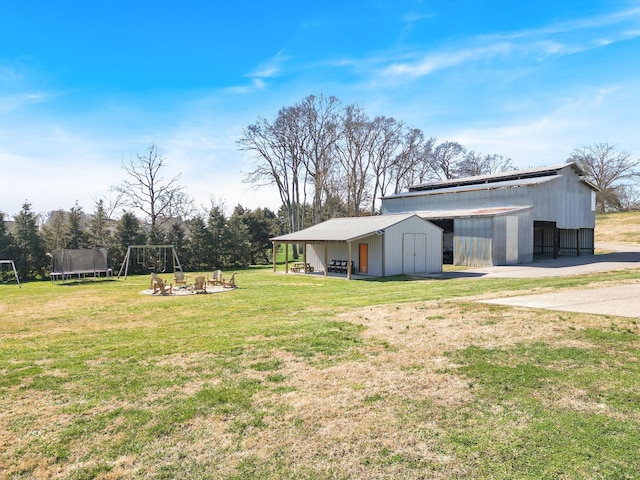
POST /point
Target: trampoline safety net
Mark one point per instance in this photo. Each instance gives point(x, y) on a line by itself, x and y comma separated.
point(67, 262)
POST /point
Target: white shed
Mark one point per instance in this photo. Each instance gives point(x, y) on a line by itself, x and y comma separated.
point(376, 246)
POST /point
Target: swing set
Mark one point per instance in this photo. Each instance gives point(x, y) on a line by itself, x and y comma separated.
point(153, 258)
point(15, 272)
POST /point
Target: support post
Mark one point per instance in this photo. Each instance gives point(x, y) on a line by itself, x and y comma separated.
point(13, 266)
point(273, 244)
point(326, 259)
point(286, 258)
point(304, 257)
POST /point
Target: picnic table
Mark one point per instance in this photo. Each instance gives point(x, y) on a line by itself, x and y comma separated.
point(299, 267)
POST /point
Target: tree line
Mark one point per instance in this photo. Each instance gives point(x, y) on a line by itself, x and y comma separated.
point(204, 241)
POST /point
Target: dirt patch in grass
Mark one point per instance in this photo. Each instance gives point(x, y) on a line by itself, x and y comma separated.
point(369, 417)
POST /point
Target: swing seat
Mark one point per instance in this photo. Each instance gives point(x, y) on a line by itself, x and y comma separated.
point(179, 278)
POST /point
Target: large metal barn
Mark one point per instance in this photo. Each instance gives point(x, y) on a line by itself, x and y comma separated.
point(507, 218)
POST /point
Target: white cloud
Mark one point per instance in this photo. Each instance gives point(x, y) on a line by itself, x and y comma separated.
point(9, 74)
point(19, 101)
point(560, 39)
point(441, 60)
point(270, 68)
point(589, 116)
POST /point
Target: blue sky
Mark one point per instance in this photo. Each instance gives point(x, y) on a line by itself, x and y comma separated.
point(85, 86)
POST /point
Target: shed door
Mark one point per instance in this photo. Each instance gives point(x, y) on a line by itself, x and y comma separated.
point(363, 258)
point(414, 249)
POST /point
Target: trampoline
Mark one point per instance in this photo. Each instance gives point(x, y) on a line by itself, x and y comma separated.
point(67, 264)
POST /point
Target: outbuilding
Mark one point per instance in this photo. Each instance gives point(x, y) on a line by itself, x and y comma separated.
point(507, 218)
point(377, 246)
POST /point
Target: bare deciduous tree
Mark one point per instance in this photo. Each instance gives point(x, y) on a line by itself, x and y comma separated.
point(609, 170)
point(320, 118)
point(475, 163)
point(147, 191)
point(385, 144)
point(412, 164)
point(275, 149)
point(445, 160)
point(353, 152)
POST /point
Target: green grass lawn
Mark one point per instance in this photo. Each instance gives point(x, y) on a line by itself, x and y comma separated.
point(294, 376)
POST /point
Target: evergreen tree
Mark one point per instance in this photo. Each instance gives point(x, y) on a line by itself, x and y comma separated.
point(128, 232)
point(31, 259)
point(199, 247)
point(177, 237)
point(236, 239)
point(156, 235)
point(74, 228)
point(261, 224)
point(55, 231)
point(98, 233)
point(7, 246)
point(216, 224)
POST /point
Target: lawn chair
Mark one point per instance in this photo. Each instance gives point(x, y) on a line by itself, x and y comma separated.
point(179, 278)
point(159, 286)
point(200, 284)
point(231, 283)
point(154, 279)
point(217, 278)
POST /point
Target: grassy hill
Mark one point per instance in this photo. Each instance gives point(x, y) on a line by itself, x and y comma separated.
point(618, 228)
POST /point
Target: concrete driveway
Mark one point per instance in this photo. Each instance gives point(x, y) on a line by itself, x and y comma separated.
point(621, 256)
point(622, 300)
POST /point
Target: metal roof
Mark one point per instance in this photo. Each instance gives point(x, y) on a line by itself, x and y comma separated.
point(498, 177)
point(344, 229)
point(470, 212)
point(478, 186)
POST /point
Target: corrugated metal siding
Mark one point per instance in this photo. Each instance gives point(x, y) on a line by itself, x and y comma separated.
point(340, 251)
point(374, 260)
point(315, 253)
point(315, 256)
point(512, 239)
point(500, 241)
point(512, 231)
point(565, 200)
point(525, 237)
point(518, 196)
point(568, 203)
point(473, 242)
